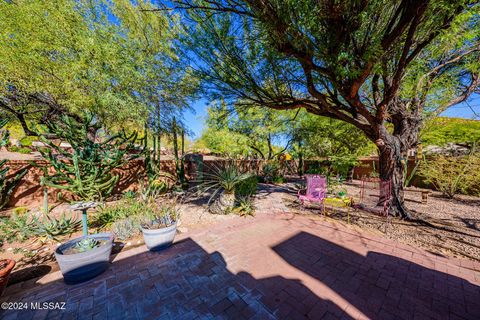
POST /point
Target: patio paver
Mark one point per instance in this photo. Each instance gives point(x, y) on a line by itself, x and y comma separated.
point(274, 266)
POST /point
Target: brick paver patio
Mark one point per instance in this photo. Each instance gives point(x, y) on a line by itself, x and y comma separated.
point(274, 266)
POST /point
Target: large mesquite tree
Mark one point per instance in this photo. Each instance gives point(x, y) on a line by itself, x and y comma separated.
point(382, 66)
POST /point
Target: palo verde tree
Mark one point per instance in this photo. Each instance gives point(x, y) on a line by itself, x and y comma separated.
point(258, 132)
point(381, 66)
point(68, 56)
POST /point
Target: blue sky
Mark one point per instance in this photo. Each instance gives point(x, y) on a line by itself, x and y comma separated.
point(195, 120)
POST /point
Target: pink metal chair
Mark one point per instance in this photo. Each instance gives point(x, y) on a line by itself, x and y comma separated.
point(383, 190)
point(316, 189)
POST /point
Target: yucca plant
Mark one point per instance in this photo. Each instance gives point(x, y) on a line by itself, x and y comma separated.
point(87, 172)
point(7, 185)
point(221, 181)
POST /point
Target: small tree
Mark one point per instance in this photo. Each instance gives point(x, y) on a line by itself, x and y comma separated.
point(87, 172)
point(381, 66)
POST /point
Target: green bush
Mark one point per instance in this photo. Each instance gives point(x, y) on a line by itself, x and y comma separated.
point(244, 207)
point(19, 227)
point(133, 209)
point(122, 209)
point(23, 150)
point(27, 141)
point(279, 179)
point(20, 210)
point(247, 187)
point(126, 228)
point(453, 175)
point(272, 172)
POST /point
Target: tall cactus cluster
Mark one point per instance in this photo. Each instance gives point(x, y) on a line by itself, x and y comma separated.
point(88, 171)
point(7, 185)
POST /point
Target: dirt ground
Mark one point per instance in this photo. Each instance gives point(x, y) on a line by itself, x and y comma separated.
point(448, 227)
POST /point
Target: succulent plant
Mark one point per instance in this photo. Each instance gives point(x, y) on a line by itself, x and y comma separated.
point(7, 185)
point(164, 217)
point(53, 228)
point(88, 171)
point(126, 228)
point(86, 244)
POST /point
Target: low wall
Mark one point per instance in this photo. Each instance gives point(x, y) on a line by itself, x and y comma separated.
point(29, 192)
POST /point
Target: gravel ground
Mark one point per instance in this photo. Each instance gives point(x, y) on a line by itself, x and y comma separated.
point(448, 227)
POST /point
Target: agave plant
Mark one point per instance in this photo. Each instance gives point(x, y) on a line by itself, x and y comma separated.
point(222, 181)
point(52, 228)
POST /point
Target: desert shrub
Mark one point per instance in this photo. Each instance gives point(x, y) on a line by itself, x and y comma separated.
point(133, 210)
point(20, 210)
point(247, 187)
point(126, 228)
point(279, 179)
point(222, 183)
point(163, 215)
point(153, 188)
point(130, 194)
point(222, 180)
point(23, 150)
point(244, 207)
point(272, 172)
point(55, 227)
point(27, 141)
point(453, 175)
point(123, 209)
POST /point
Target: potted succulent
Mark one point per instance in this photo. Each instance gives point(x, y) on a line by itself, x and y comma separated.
point(85, 257)
point(159, 232)
point(6, 267)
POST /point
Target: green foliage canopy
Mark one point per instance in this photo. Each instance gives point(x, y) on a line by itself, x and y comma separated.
point(441, 131)
point(108, 57)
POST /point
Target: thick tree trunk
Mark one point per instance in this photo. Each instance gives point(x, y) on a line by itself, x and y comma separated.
point(392, 176)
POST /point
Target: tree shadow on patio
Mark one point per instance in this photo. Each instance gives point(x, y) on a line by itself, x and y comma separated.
point(379, 285)
point(184, 282)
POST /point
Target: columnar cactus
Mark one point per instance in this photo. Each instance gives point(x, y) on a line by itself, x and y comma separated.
point(7, 185)
point(87, 172)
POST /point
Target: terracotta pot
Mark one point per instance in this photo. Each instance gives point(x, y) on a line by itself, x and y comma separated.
point(6, 266)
